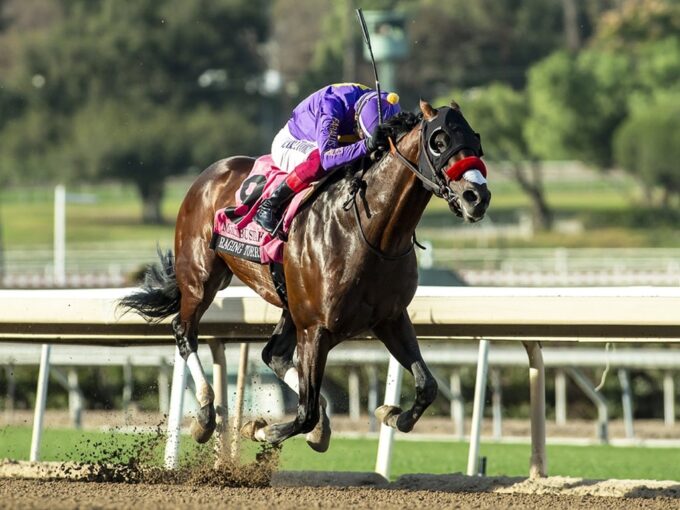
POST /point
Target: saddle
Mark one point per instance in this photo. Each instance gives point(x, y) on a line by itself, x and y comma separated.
point(235, 232)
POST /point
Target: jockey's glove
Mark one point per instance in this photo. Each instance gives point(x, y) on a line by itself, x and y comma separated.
point(378, 140)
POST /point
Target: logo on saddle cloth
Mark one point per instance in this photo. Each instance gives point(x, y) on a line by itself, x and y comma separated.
point(236, 234)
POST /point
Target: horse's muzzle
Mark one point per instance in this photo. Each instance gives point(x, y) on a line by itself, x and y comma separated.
point(473, 202)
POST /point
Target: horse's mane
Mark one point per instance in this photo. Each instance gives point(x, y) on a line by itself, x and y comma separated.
point(398, 125)
point(402, 123)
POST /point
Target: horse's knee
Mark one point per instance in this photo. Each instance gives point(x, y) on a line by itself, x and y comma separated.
point(279, 364)
point(186, 340)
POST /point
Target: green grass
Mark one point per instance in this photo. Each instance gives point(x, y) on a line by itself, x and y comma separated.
point(609, 208)
point(359, 455)
point(113, 215)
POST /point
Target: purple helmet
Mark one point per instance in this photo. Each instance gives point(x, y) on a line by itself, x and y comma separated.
point(367, 110)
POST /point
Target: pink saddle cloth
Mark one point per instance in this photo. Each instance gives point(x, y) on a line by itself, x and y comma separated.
point(234, 230)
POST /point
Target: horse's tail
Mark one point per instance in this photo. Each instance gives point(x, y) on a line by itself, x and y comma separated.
point(159, 296)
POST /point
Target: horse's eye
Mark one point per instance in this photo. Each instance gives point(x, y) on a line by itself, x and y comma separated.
point(439, 142)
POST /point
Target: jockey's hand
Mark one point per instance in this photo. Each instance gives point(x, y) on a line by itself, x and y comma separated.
point(378, 140)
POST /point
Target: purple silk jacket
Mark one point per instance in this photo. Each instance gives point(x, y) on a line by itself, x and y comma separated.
point(324, 116)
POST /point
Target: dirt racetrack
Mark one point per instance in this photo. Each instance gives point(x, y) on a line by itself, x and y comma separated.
point(34, 494)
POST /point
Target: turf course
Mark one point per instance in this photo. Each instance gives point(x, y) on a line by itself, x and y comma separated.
point(110, 213)
point(359, 455)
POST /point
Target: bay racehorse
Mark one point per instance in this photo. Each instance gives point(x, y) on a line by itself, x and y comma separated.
point(349, 263)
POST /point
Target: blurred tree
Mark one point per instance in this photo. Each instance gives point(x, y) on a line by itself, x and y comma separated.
point(579, 100)
point(646, 144)
point(463, 44)
point(636, 22)
point(144, 144)
point(453, 43)
point(19, 20)
point(157, 62)
point(576, 102)
point(499, 114)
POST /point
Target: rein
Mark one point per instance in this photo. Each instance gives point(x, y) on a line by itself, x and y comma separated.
point(358, 187)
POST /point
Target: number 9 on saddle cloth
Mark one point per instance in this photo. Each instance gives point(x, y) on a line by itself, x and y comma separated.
point(235, 232)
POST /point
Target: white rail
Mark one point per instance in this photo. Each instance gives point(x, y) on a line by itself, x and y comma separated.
point(88, 317)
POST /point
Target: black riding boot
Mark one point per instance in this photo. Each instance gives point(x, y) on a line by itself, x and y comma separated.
point(270, 211)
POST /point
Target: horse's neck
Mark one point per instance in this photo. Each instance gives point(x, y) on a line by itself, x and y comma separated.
point(396, 199)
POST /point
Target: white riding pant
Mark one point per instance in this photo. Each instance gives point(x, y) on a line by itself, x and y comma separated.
point(288, 152)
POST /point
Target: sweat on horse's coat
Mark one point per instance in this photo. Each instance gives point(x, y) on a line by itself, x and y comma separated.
point(343, 275)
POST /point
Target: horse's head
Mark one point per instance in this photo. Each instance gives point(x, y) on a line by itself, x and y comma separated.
point(451, 151)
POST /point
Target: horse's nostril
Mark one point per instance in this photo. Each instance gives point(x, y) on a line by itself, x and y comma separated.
point(471, 196)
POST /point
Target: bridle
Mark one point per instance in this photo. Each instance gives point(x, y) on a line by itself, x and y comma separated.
point(437, 184)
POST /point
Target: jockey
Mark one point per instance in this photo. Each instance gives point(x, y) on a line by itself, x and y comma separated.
point(331, 128)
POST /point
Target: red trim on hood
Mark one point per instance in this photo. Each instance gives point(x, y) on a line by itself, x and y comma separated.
point(456, 171)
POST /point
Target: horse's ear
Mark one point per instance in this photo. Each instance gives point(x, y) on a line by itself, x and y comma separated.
point(455, 105)
point(429, 113)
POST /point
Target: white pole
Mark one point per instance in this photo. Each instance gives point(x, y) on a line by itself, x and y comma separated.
point(354, 396)
point(179, 379)
point(596, 398)
point(40, 399)
point(560, 397)
point(457, 404)
point(373, 392)
point(238, 405)
point(626, 403)
point(75, 400)
point(478, 407)
point(395, 374)
point(539, 464)
point(59, 235)
point(163, 387)
point(221, 397)
point(668, 399)
point(496, 403)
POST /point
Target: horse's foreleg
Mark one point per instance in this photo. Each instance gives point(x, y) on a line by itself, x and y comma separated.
point(197, 294)
point(312, 346)
point(278, 355)
point(400, 339)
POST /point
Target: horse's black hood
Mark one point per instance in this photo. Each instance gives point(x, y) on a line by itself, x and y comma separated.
point(460, 134)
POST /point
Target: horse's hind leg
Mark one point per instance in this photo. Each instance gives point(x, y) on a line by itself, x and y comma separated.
point(399, 337)
point(198, 289)
point(278, 355)
point(312, 347)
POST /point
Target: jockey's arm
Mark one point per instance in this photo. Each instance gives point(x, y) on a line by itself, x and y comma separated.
point(332, 155)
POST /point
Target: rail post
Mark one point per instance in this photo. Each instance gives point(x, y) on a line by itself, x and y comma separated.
point(395, 374)
point(668, 399)
point(238, 406)
point(626, 403)
point(478, 407)
point(560, 397)
point(221, 396)
point(179, 380)
point(539, 464)
point(40, 401)
point(457, 404)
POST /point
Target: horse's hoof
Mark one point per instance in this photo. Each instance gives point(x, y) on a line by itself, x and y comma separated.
point(388, 415)
point(320, 438)
point(204, 424)
point(249, 430)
